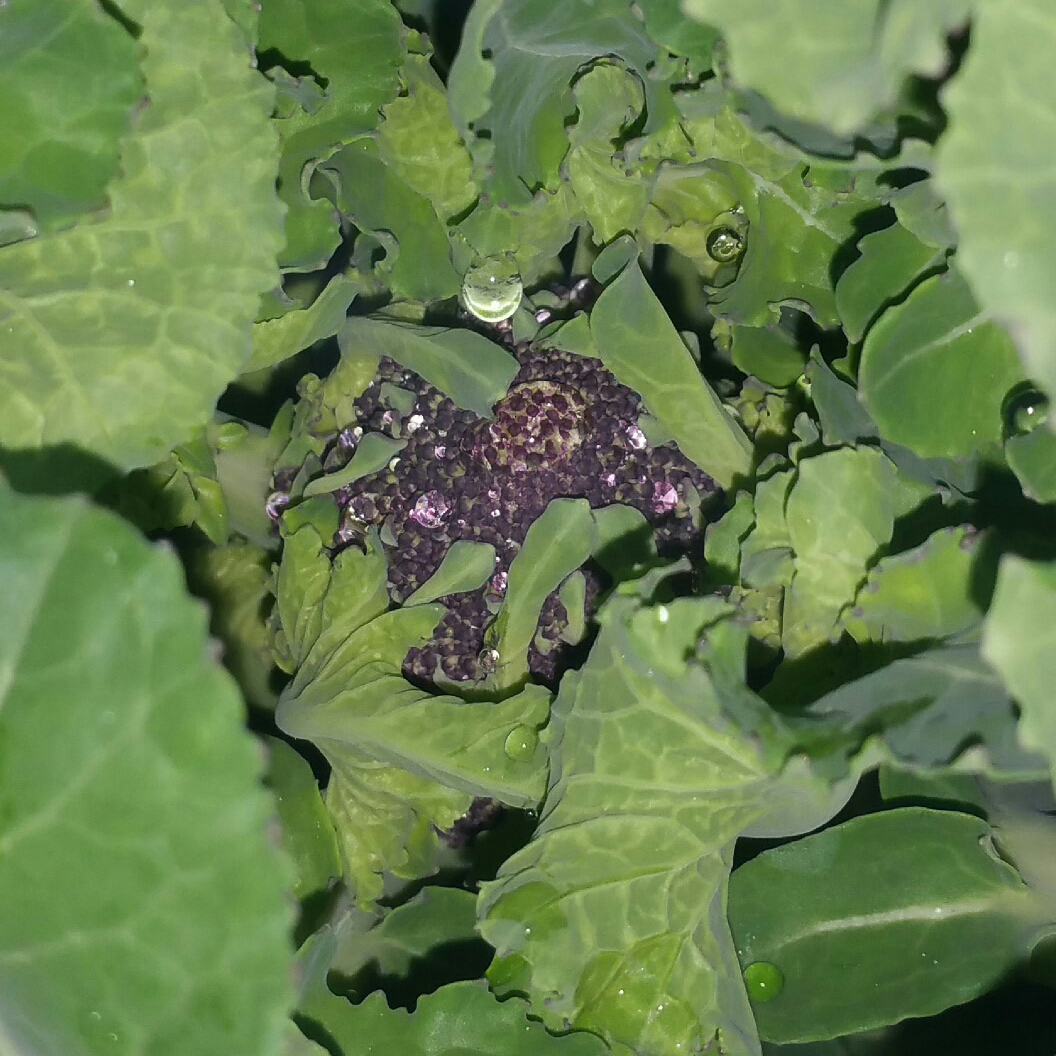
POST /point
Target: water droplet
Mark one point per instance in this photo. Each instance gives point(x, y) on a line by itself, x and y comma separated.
point(724, 245)
point(521, 743)
point(764, 981)
point(492, 289)
point(1024, 410)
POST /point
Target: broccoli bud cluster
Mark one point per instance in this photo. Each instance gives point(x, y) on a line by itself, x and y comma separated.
point(566, 428)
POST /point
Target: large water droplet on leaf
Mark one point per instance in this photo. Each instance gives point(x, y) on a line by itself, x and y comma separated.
point(1025, 409)
point(492, 289)
point(763, 981)
point(521, 743)
point(724, 245)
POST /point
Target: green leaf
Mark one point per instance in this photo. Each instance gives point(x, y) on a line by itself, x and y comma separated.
point(560, 540)
point(609, 100)
point(669, 27)
point(429, 925)
point(319, 602)
point(840, 511)
point(320, 35)
point(277, 339)
point(358, 697)
point(386, 821)
point(938, 708)
point(640, 345)
point(307, 833)
point(765, 352)
point(466, 566)
point(612, 919)
point(377, 200)
point(516, 101)
point(624, 544)
point(1032, 457)
point(235, 580)
point(418, 141)
point(800, 213)
point(458, 1018)
point(888, 916)
point(935, 371)
point(134, 862)
point(472, 370)
point(891, 261)
point(119, 334)
point(532, 232)
point(63, 115)
point(841, 415)
point(374, 452)
point(935, 590)
point(839, 66)
point(993, 166)
point(1016, 641)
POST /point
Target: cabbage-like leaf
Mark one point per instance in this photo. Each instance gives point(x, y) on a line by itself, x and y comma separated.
point(69, 77)
point(134, 861)
point(612, 919)
point(119, 334)
point(993, 165)
point(839, 65)
point(404, 762)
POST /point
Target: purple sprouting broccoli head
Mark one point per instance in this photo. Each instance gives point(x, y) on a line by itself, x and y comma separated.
point(566, 428)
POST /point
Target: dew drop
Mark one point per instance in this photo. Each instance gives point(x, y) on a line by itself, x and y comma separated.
point(763, 981)
point(1024, 410)
point(492, 289)
point(521, 743)
point(724, 245)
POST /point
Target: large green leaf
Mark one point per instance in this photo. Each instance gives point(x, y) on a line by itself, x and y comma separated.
point(120, 334)
point(640, 345)
point(472, 370)
point(839, 65)
point(887, 916)
point(321, 35)
point(516, 101)
point(935, 371)
point(1017, 642)
point(994, 166)
point(69, 77)
point(143, 907)
point(613, 918)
